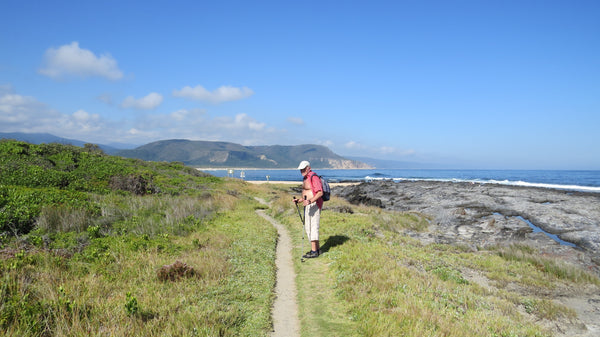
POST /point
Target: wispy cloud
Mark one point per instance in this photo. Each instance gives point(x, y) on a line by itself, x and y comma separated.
point(356, 148)
point(219, 95)
point(150, 101)
point(389, 150)
point(296, 120)
point(20, 113)
point(352, 145)
point(71, 60)
point(244, 121)
point(197, 124)
point(83, 121)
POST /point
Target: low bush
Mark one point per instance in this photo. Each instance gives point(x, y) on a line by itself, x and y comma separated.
point(22, 205)
point(136, 184)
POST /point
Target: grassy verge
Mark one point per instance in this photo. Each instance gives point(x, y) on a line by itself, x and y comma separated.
point(98, 245)
point(374, 281)
point(122, 278)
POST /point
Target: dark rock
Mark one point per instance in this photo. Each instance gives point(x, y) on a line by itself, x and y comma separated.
point(489, 214)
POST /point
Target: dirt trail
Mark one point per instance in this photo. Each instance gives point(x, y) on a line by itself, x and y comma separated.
point(285, 308)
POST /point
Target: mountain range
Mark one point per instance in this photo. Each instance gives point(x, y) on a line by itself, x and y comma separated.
point(207, 154)
point(222, 154)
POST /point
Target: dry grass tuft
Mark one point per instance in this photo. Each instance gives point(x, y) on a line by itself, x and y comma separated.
point(63, 219)
point(175, 272)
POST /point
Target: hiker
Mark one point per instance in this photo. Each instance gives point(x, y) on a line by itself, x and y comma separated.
point(312, 192)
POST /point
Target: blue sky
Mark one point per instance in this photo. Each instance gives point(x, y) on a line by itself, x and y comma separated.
point(464, 84)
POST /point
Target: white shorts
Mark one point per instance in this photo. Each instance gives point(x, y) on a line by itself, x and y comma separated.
point(312, 217)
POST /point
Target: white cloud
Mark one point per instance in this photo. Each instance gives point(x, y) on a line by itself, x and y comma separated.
point(23, 113)
point(222, 94)
point(387, 150)
point(148, 102)
point(196, 124)
point(134, 131)
point(327, 143)
point(179, 115)
point(295, 120)
point(243, 121)
point(395, 152)
point(19, 113)
point(185, 114)
point(71, 60)
point(352, 145)
point(86, 121)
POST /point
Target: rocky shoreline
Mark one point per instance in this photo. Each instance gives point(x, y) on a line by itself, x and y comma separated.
point(558, 223)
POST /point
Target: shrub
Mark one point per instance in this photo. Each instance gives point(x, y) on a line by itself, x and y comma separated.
point(133, 183)
point(21, 206)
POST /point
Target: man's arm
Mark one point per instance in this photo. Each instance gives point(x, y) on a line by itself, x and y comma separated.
point(316, 197)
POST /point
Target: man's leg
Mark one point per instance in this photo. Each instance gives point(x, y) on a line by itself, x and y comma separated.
point(307, 222)
point(315, 243)
point(312, 219)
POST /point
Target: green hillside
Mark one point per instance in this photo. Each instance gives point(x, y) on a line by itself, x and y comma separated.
point(96, 245)
point(223, 154)
point(61, 175)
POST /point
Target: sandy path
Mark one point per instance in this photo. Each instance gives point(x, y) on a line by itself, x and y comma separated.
point(285, 308)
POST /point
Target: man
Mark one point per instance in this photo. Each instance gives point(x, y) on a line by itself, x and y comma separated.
point(312, 191)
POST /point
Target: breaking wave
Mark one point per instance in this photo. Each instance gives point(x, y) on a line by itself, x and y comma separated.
point(580, 188)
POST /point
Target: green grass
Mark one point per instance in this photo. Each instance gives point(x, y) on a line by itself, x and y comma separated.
point(374, 281)
point(111, 286)
point(86, 235)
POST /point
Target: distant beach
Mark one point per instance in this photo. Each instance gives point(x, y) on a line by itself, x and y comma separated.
point(298, 183)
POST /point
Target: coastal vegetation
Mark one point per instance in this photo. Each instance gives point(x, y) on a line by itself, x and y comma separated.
point(99, 245)
point(106, 246)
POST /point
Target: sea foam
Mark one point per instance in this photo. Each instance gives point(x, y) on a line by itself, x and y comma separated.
point(593, 189)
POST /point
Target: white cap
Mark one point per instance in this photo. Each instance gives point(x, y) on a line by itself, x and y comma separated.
point(303, 165)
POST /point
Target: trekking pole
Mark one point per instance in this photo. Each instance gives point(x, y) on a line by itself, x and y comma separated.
point(300, 215)
point(301, 219)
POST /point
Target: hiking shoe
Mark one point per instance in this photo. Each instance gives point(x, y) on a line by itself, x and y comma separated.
point(311, 254)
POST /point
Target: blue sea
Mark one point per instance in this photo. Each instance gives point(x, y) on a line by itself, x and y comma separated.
point(586, 181)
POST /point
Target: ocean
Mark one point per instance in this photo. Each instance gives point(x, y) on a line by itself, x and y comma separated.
point(586, 181)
